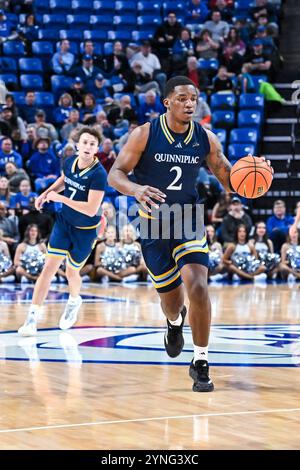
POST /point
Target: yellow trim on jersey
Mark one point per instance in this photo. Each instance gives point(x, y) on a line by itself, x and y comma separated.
point(165, 129)
point(158, 286)
point(160, 276)
point(190, 134)
point(49, 247)
point(73, 169)
point(88, 168)
point(87, 228)
point(55, 255)
point(145, 215)
point(189, 244)
point(192, 250)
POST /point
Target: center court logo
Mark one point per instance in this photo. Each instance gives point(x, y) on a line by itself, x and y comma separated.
point(232, 345)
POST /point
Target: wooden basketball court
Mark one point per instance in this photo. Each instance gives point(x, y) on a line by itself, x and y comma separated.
point(108, 384)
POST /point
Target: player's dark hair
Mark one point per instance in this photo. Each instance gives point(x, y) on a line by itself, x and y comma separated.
point(91, 131)
point(177, 81)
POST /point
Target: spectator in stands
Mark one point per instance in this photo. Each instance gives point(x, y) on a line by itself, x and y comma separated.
point(289, 251)
point(7, 275)
point(115, 64)
point(77, 91)
point(218, 28)
point(32, 243)
point(42, 219)
point(29, 109)
point(233, 219)
point(182, 49)
point(130, 247)
point(139, 81)
point(8, 154)
point(62, 113)
point(63, 60)
point(28, 32)
point(89, 109)
point(102, 92)
point(267, 41)
point(197, 12)
point(110, 213)
point(259, 62)
point(44, 129)
point(15, 175)
point(17, 130)
point(233, 51)
point(11, 103)
point(9, 226)
point(194, 72)
point(202, 113)
point(263, 245)
point(150, 64)
point(5, 195)
point(213, 3)
point(103, 126)
point(25, 197)
point(206, 47)
point(89, 49)
point(87, 71)
point(216, 249)
point(107, 154)
point(69, 150)
point(72, 125)
point(164, 39)
point(223, 82)
point(7, 31)
point(124, 138)
point(225, 10)
point(264, 8)
point(43, 165)
point(109, 247)
point(27, 147)
point(220, 209)
point(278, 224)
point(3, 93)
point(151, 108)
point(122, 113)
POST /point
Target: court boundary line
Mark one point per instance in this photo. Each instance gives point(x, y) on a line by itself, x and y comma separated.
point(139, 420)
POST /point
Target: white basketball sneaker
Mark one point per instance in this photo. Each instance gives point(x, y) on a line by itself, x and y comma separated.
point(29, 327)
point(69, 317)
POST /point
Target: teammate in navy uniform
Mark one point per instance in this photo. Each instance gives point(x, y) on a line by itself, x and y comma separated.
point(75, 230)
point(166, 155)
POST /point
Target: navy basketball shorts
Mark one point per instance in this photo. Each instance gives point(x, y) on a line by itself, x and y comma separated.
point(74, 243)
point(165, 257)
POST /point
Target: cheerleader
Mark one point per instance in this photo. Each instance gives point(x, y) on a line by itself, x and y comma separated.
point(33, 246)
point(6, 266)
point(132, 252)
point(290, 257)
point(265, 250)
point(241, 258)
point(108, 257)
point(215, 254)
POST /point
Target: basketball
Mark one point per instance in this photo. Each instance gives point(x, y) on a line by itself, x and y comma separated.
point(251, 177)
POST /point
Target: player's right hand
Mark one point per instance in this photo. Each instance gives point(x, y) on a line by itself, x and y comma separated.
point(145, 195)
point(40, 201)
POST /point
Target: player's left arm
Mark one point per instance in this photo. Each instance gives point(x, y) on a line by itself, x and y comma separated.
point(89, 207)
point(217, 162)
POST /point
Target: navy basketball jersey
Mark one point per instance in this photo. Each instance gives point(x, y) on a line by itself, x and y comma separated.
point(171, 161)
point(78, 182)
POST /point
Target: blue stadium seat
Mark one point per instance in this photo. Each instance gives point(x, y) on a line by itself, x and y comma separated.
point(244, 135)
point(149, 20)
point(108, 48)
point(257, 79)
point(8, 65)
point(78, 21)
point(42, 6)
point(250, 118)
point(95, 35)
point(142, 35)
point(44, 99)
point(127, 6)
point(237, 151)
point(42, 48)
point(203, 95)
point(221, 134)
point(30, 65)
point(118, 132)
point(104, 7)
point(125, 20)
point(55, 21)
point(177, 7)
point(19, 97)
point(223, 119)
point(48, 34)
point(119, 35)
point(208, 64)
point(10, 79)
point(61, 6)
point(74, 35)
point(98, 21)
point(13, 48)
point(147, 7)
point(82, 5)
point(60, 83)
point(222, 101)
point(252, 101)
point(31, 82)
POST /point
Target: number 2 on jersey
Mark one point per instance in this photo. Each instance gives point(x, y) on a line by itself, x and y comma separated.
point(173, 185)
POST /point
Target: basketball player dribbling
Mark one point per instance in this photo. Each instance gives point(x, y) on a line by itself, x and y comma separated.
point(150, 152)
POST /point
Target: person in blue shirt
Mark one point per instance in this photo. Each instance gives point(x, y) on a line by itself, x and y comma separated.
point(197, 12)
point(24, 198)
point(278, 225)
point(8, 154)
point(62, 112)
point(43, 165)
point(151, 108)
point(76, 228)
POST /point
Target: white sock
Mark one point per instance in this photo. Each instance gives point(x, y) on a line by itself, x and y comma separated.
point(176, 322)
point(73, 299)
point(200, 353)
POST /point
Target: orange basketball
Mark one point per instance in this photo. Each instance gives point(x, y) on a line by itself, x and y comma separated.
point(251, 177)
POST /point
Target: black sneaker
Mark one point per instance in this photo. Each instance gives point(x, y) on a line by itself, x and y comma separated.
point(173, 339)
point(199, 374)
